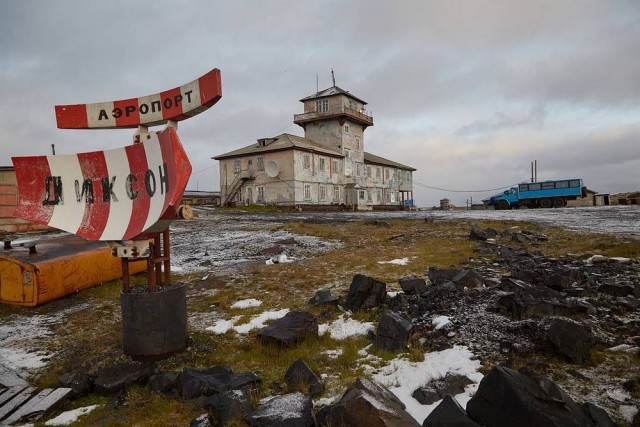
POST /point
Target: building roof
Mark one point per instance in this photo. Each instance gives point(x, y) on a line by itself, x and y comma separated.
point(372, 158)
point(281, 142)
point(334, 90)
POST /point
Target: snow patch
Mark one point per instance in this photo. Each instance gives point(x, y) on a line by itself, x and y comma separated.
point(342, 328)
point(222, 326)
point(247, 303)
point(402, 377)
point(440, 322)
point(397, 261)
point(68, 417)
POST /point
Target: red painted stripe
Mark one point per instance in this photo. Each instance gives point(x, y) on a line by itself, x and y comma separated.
point(168, 98)
point(96, 214)
point(128, 110)
point(31, 173)
point(210, 87)
point(72, 116)
point(140, 211)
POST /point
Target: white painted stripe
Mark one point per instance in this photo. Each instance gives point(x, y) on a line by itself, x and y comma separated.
point(154, 161)
point(194, 96)
point(150, 116)
point(93, 115)
point(120, 211)
point(68, 214)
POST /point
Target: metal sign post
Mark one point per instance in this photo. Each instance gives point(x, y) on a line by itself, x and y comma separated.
point(127, 196)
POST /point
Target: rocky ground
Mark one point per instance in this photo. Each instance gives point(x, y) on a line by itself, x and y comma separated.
point(502, 303)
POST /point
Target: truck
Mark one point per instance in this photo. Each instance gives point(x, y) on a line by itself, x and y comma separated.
point(543, 194)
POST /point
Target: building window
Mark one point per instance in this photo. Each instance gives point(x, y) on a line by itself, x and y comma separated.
point(346, 128)
point(307, 191)
point(249, 162)
point(357, 143)
point(386, 173)
point(358, 172)
point(378, 173)
point(388, 197)
point(321, 162)
point(369, 171)
point(336, 193)
point(322, 105)
point(368, 195)
point(307, 161)
point(361, 194)
point(408, 176)
point(335, 167)
point(260, 163)
point(260, 194)
point(236, 166)
point(323, 192)
point(379, 195)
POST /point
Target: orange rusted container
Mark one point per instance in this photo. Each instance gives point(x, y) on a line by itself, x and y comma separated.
point(48, 269)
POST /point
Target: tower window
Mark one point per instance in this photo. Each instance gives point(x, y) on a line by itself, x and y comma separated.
point(357, 143)
point(322, 105)
point(346, 128)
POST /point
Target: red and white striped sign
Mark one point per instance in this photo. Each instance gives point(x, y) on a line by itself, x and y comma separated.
point(175, 104)
point(105, 195)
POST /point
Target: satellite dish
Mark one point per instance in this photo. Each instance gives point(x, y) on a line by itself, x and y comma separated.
point(272, 168)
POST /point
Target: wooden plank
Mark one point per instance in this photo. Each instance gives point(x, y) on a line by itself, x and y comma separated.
point(9, 393)
point(28, 407)
point(14, 403)
point(48, 403)
point(9, 377)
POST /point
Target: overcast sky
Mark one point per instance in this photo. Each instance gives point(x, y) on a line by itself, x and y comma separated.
point(467, 92)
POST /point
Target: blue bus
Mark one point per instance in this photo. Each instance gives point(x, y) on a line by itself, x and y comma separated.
point(544, 194)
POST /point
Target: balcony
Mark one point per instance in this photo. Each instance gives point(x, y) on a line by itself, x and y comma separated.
point(344, 112)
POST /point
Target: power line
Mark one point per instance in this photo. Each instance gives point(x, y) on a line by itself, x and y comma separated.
point(464, 191)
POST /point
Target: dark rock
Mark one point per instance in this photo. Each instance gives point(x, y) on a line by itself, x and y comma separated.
point(524, 289)
point(323, 297)
point(449, 413)
point(228, 406)
point(111, 379)
point(570, 339)
point(468, 279)
point(413, 285)
point(393, 331)
point(564, 278)
point(615, 289)
point(290, 330)
point(398, 303)
point(368, 404)
point(301, 378)
point(364, 293)
point(506, 398)
point(518, 308)
point(205, 382)
point(597, 415)
point(78, 381)
point(246, 381)
point(438, 276)
point(478, 234)
point(118, 400)
point(451, 384)
point(289, 410)
point(166, 383)
point(203, 420)
point(272, 250)
point(519, 238)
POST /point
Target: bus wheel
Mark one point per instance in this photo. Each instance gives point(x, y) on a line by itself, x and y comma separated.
point(502, 205)
point(559, 202)
point(545, 203)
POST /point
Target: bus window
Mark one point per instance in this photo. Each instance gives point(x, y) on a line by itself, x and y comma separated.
point(574, 183)
point(534, 187)
point(548, 185)
point(562, 184)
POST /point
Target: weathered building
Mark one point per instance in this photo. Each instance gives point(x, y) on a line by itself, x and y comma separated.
point(328, 166)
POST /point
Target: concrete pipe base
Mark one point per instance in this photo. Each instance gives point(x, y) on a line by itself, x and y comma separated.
point(154, 324)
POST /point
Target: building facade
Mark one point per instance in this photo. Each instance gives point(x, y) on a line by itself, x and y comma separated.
point(328, 166)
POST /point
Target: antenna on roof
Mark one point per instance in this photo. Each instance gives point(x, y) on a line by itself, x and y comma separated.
point(333, 77)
